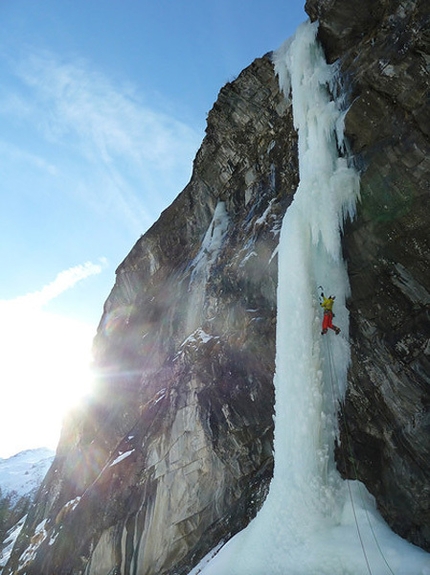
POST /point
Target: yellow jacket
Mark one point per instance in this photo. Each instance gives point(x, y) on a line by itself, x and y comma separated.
point(327, 303)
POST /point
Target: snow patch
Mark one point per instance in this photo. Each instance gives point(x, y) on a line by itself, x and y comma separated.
point(160, 395)
point(9, 541)
point(40, 534)
point(73, 503)
point(121, 457)
point(199, 335)
point(260, 221)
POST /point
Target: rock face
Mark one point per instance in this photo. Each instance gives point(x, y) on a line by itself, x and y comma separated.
point(173, 453)
point(384, 56)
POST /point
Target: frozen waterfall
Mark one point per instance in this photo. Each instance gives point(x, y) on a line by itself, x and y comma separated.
point(313, 522)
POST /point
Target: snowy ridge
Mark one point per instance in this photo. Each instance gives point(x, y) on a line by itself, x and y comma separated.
point(24, 472)
point(313, 522)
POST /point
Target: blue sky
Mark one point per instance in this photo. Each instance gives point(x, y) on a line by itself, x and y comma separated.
point(103, 106)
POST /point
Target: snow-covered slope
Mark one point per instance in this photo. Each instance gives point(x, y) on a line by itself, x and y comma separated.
point(20, 476)
point(22, 473)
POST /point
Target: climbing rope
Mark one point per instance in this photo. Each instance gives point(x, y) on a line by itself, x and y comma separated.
point(333, 380)
point(331, 370)
point(331, 373)
point(355, 473)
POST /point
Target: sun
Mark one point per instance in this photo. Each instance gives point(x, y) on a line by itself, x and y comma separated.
point(44, 370)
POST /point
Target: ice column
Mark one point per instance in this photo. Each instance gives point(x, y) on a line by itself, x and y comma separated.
point(307, 525)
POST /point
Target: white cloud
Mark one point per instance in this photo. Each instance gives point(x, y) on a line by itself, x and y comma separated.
point(128, 157)
point(64, 281)
point(11, 152)
point(109, 119)
point(14, 104)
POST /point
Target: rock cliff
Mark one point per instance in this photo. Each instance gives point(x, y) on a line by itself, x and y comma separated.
point(173, 452)
point(384, 52)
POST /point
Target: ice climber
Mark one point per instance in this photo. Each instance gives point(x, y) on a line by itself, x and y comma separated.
point(327, 305)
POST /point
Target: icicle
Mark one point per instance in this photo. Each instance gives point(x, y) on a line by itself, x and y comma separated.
point(307, 524)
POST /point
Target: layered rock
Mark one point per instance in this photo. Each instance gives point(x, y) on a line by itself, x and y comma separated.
point(384, 55)
point(174, 451)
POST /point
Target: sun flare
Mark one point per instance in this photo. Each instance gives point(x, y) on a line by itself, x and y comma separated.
point(44, 370)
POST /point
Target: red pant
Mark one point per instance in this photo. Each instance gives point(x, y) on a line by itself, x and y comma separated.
point(328, 320)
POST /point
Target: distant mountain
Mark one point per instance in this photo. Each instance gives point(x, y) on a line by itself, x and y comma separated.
point(20, 478)
point(21, 474)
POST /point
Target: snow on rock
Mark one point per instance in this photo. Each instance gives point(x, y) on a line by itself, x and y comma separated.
point(194, 342)
point(202, 263)
point(121, 457)
point(40, 534)
point(9, 541)
point(212, 243)
point(22, 473)
point(198, 336)
point(21, 476)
